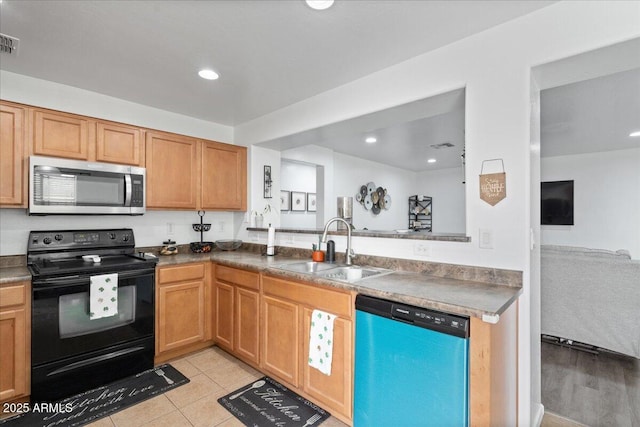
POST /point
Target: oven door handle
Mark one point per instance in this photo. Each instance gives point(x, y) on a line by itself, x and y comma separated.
point(56, 282)
point(95, 360)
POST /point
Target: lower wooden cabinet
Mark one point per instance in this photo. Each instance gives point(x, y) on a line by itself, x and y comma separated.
point(237, 312)
point(183, 309)
point(281, 339)
point(286, 321)
point(331, 391)
point(15, 340)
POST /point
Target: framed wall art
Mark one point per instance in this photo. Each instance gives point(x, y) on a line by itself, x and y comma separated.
point(311, 202)
point(298, 201)
point(267, 182)
point(285, 200)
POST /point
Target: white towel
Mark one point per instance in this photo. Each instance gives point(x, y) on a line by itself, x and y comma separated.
point(103, 296)
point(321, 341)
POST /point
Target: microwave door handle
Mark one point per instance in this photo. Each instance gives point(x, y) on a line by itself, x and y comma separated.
point(128, 190)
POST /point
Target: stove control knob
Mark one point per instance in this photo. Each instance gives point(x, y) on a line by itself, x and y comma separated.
point(58, 237)
point(112, 236)
point(46, 240)
point(125, 238)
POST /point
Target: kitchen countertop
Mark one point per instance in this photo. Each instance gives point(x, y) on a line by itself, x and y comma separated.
point(465, 297)
point(14, 274)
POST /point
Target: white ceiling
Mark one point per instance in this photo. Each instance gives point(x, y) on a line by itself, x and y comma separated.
point(405, 134)
point(269, 54)
point(591, 116)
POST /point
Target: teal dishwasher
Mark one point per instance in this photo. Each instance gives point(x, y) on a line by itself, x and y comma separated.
point(411, 366)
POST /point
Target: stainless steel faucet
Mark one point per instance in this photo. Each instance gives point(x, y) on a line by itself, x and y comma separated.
point(350, 254)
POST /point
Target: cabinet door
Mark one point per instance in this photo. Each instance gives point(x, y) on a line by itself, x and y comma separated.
point(119, 144)
point(172, 171)
point(280, 341)
point(224, 315)
point(61, 135)
point(12, 163)
point(246, 324)
point(334, 391)
point(224, 177)
point(181, 314)
point(13, 353)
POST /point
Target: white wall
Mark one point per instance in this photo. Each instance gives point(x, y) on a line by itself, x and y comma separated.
point(606, 200)
point(298, 177)
point(268, 208)
point(494, 67)
point(447, 190)
point(151, 228)
point(351, 172)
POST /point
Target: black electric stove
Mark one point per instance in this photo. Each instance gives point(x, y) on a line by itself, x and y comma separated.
point(71, 351)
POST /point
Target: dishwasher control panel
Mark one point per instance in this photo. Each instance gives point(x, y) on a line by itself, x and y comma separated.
point(421, 317)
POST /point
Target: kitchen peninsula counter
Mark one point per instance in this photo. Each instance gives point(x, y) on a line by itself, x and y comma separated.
point(465, 297)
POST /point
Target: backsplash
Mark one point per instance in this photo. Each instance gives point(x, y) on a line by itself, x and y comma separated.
point(150, 229)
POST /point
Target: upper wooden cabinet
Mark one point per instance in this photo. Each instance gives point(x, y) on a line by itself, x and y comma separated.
point(185, 173)
point(172, 171)
point(13, 165)
point(72, 136)
point(61, 135)
point(182, 172)
point(116, 143)
point(224, 176)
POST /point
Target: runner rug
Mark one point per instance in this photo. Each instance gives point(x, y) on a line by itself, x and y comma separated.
point(267, 403)
point(98, 403)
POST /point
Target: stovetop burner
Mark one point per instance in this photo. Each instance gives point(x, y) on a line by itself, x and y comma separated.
point(61, 252)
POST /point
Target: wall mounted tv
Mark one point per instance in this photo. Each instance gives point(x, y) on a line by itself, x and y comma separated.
point(556, 203)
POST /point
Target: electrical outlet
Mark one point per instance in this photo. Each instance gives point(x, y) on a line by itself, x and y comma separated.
point(220, 225)
point(485, 239)
point(253, 236)
point(288, 239)
point(422, 249)
point(170, 229)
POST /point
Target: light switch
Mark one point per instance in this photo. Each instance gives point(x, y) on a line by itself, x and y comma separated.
point(486, 239)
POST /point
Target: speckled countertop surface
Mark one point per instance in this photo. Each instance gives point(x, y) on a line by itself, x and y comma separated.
point(14, 274)
point(464, 297)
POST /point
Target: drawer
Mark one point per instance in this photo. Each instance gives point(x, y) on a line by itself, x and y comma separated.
point(181, 273)
point(312, 296)
point(13, 294)
point(244, 278)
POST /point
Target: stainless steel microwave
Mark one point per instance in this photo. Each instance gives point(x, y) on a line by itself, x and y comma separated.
point(63, 186)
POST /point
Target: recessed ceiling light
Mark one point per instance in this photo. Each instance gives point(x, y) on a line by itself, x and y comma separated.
point(431, 161)
point(370, 139)
point(636, 133)
point(319, 4)
point(208, 74)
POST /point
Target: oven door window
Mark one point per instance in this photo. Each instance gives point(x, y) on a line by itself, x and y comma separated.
point(73, 315)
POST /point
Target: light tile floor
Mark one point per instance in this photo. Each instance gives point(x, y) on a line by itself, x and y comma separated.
point(213, 373)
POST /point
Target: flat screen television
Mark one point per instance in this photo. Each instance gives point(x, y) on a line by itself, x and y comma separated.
point(556, 203)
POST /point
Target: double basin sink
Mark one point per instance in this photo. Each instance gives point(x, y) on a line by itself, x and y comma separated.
point(340, 272)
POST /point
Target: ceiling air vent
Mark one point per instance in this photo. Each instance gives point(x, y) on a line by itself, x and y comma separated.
point(9, 44)
point(443, 145)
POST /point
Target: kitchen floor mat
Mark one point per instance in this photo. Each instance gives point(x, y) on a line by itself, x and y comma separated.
point(89, 406)
point(266, 403)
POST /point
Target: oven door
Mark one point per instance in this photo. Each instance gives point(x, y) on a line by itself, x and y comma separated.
point(61, 327)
